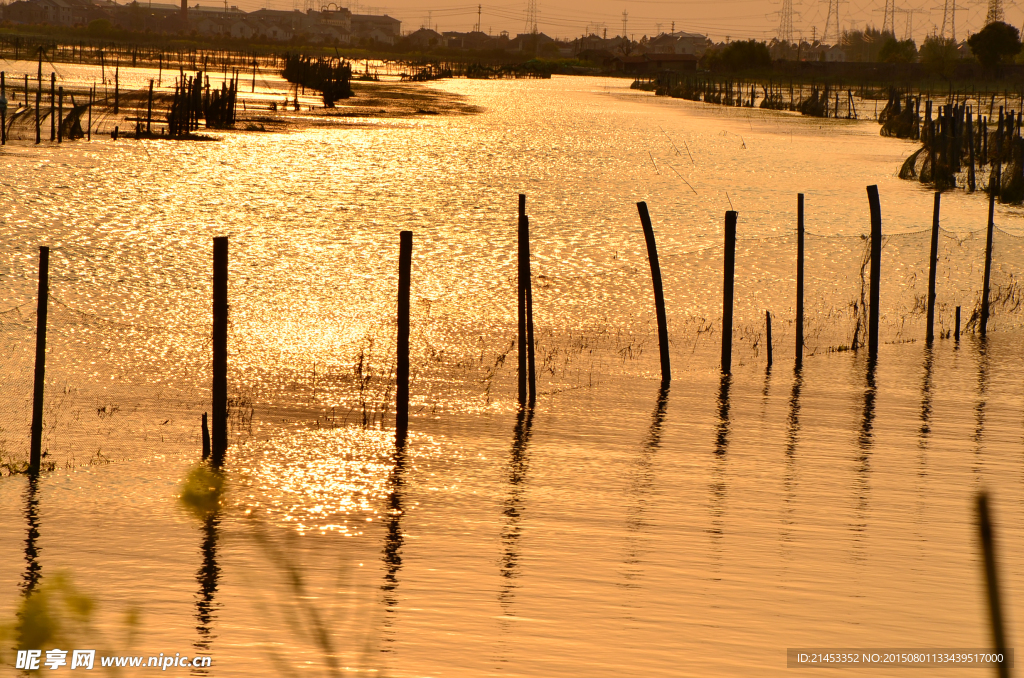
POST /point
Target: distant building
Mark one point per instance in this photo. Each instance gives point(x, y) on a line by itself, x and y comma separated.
point(424, 38)
point(371, 28)
point(678, 43)
point(835, 53)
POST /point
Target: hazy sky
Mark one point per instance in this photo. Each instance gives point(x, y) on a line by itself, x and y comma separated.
point(717, 18)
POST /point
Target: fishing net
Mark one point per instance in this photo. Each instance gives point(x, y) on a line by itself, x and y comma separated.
point(128, 350)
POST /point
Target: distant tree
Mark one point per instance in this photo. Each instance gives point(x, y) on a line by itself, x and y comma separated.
point(939, 55)
point(898, 51)
point(864, 45)
point(993, 42)
point(740, 55)
point(99, 28)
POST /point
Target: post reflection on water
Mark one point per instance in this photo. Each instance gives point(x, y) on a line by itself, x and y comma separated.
point(640, 488)
point(789, 475)
point(519, 464)
point(393, 540)
point(717, 487)
point(926, 404)
point(981, 402)
point(208, 577)
point(33, 570)
point(865, 441)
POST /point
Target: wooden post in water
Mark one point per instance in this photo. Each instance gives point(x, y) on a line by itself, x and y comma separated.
point(39, 97)
point(956, 333)
point(3, 109)
point(404, 284)
point(768, 335)
point(971, 184)
point(527, 373)
point(53, 107)
point(88, 131)
point(206, 438)
point(36, 444)
point(932, 263)
point(983, 325)
point(799, 281)
point(876, 271)
point(995, 607)
point(60, 114)
point(219, 442)
point(149, 111)
point(659, 295)
point(727, 290)
point(117, 106)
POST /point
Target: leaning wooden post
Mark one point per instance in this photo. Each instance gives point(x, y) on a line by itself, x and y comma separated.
point(799, 280)
point(995, 608)
point(659, 295)
point(404, 282)
point(36, 445)
point(932, 263)
point(727, 290)
point(527, 372)
point(768, 335)
point(988, 260)
point(876, 271)
point(219, 443)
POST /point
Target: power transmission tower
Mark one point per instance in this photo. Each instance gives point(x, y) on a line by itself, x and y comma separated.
point(889, 20)
point(908, 33)
point(479, 11)
point(832, 23)
point(531, 17)
point(625, 17)
point(786, 22)
point(995, 11)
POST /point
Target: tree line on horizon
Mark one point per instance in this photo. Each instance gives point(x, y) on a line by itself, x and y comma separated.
point(997, 43)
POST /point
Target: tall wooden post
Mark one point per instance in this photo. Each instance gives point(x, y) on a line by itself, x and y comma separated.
point(117, 91)
point(60, 114)
point(971, 183)
point(727, 290)
point(799, 281)
point(53, 105)
point(39, 97)
point(933, 261)
point(149, 111)
point(659, 295)
point(983, 325)
point(404, 283)
point(92, 93)
point(768, 335)
point(876, 270)
point(3, 109)
point(527, 371)
point(36, 444)
point(956, 333)
point(219, 443)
